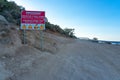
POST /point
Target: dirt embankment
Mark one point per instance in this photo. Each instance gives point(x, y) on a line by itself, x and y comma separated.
point(16, 58)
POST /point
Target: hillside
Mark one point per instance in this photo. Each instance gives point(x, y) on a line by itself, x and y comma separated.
point(63, 57)
point(15, 57)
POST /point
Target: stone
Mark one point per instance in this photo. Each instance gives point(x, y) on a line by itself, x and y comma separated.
point(3, 20)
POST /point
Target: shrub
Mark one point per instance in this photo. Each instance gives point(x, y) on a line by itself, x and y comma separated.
point(11, 11)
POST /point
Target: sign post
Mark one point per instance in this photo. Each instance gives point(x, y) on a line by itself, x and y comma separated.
point(33, 20)
point(41, 40)
point(24, 36)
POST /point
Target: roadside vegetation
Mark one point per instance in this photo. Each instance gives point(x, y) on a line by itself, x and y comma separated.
point(12, 12)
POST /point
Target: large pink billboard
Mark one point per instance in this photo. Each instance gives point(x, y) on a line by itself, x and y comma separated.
point(32, 20)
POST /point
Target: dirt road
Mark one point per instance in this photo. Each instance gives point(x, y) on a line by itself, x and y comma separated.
point(81, 60)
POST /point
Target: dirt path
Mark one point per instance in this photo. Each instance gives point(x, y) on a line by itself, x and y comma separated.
point(77, 61)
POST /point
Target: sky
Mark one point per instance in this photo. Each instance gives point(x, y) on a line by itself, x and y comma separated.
point(89, 18)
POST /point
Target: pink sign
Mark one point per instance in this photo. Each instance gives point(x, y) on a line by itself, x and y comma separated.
point(33, 20)
point(33, 17)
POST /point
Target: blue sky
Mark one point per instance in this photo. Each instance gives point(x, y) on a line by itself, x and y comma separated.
point(89, 18)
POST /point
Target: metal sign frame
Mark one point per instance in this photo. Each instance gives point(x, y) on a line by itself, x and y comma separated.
point(33, 20)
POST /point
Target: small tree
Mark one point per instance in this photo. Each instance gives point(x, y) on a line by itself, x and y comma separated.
point(69, 32)
point(96, 39)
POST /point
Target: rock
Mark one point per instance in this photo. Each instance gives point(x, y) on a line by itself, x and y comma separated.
point(4, 31)
point(3, 20)
point(4, 24)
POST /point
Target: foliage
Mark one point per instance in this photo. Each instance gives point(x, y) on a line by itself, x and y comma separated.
point(95, 39)
point(69, 32)
point(11, 11)
point(56, 28)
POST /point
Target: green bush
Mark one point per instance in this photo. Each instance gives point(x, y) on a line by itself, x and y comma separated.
point(56, 28)
point(11, 11)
